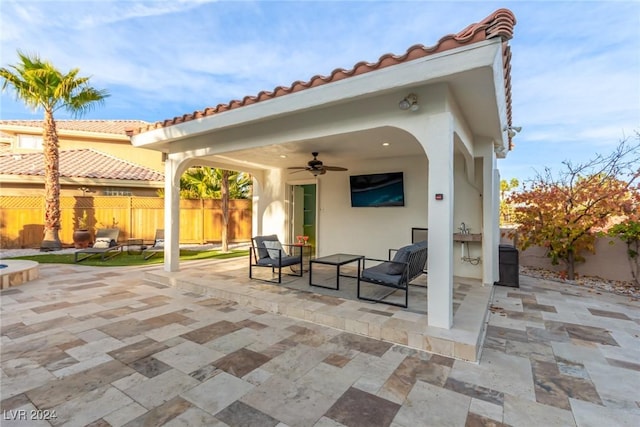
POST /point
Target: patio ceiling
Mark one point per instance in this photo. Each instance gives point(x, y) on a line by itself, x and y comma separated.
point(335, 150)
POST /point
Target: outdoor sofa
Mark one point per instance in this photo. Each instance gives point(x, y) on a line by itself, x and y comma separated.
point(395, 273)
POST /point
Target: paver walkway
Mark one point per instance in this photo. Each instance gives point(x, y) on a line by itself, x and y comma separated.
point(103, 347)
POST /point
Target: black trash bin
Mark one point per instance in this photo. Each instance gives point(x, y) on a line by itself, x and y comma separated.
point(509, 266)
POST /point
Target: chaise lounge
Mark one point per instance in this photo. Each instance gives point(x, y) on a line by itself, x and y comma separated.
point(106, 245)
point(407, 264)
point(157, 247)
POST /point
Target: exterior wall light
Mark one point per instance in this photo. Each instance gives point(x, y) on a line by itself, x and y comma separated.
point(409, 102)
point(512, 130)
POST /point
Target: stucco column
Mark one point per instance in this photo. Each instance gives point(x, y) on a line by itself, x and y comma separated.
point(256, 224)
point(490, 214)
point(171, 216)
point(438, 143)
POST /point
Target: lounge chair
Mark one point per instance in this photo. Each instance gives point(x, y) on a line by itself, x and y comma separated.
point(267, 251)
point(106, 245)
point(157, 247)
point(396, 273)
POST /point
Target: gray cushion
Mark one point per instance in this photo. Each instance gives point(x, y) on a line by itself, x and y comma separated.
point(392, 268)
point(422, 244)
point(379, 273)
point(274, 249)
point(259, 242)
point(286, 261)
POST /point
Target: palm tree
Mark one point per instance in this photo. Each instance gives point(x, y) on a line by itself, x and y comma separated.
point(42, 86)
point(205, 183)
point(210, 183)
point(224, 195)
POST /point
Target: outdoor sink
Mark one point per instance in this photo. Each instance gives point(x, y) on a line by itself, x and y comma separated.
point(467, 237)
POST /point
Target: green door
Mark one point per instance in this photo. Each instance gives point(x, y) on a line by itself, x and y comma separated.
point(309, 209)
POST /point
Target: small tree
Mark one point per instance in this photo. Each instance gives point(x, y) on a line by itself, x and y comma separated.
point(506, 210)
point(563, 213)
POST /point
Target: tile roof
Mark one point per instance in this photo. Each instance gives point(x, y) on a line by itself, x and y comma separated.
point(85, 163)
point(499, 24)
point(115, 127)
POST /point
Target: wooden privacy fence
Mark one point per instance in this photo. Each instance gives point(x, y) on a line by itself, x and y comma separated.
point(22, 218)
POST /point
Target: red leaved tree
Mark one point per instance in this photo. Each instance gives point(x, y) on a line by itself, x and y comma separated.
point(563, 213)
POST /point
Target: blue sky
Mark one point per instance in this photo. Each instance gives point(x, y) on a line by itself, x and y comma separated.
point(575, 66)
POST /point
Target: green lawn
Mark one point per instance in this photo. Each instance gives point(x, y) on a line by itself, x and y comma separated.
point(124, 259)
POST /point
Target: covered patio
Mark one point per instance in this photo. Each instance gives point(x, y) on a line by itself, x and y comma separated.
point(440, 115)
point(295, 299)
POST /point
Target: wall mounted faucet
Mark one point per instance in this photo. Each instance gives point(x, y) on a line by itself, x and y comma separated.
point(463, 228)
point(464, 249)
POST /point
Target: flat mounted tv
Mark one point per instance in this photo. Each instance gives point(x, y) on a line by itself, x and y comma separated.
point(377, 190)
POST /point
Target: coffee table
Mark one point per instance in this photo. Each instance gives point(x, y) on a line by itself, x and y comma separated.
point(336, 259)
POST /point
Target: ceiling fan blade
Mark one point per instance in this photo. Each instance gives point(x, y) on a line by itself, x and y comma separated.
point(298, 167)
point(335, 168)
point(296, 171)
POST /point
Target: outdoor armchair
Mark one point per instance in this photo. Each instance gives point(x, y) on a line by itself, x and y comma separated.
point(267, 251)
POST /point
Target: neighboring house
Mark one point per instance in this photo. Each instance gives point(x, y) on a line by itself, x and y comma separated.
point(441, 115)
point(96, 158)
point(82, 172)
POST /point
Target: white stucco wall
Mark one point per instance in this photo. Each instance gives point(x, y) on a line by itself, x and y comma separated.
point(271, 215)
point(371, 231)
point(467, 209)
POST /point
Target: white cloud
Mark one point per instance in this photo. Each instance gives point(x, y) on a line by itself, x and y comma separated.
point(82, 14)
point(575, 65)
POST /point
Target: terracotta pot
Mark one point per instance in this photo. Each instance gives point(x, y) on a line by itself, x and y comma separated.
point(81, 239)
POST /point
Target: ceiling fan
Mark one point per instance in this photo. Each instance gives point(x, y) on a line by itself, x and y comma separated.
point(316, 167)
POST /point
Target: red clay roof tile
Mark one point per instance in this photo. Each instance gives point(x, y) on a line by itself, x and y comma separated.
point(115, 127)
point(499, 24)
point(85, 163)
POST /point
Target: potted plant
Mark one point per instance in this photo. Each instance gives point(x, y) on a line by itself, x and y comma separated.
point(82, 236)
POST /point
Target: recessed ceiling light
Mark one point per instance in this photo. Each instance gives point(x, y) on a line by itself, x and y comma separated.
point(283, 156)
point(385, 144)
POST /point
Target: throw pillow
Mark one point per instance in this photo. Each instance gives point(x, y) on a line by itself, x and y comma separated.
point(102, 243)
point(274, 248)
point(159, 243)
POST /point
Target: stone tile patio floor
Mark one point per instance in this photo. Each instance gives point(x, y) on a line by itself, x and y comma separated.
point(341, 309)
point(100, 347)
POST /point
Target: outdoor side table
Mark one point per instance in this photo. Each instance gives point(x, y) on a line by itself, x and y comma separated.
point(306, 250)
point(135, 246)
point(338, 260)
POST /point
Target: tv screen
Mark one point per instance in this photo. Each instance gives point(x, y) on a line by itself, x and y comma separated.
point(377, 190)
